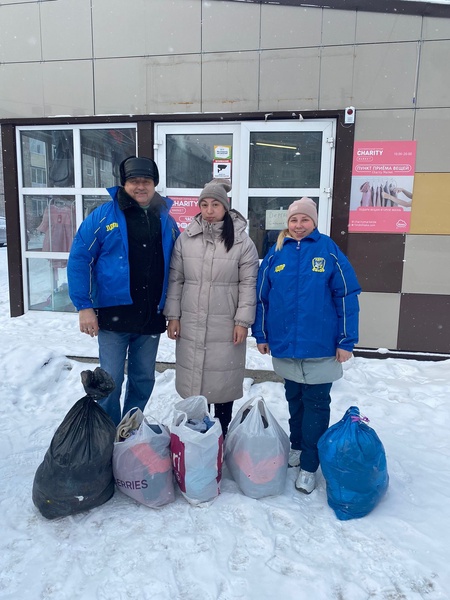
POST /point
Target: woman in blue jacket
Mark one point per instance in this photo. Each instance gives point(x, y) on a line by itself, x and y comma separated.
point(307, 319)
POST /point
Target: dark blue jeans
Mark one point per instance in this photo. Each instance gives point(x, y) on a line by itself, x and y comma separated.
point(142, 349)
point(309, 409)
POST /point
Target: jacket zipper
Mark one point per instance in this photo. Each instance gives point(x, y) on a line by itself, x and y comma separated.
point(298, 282)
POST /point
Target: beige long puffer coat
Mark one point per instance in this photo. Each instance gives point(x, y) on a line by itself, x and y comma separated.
point(210, 291)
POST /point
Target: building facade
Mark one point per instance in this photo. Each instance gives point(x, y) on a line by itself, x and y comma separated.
point(252, 89)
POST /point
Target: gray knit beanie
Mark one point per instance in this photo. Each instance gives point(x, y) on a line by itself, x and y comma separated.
point(217, 189)
point(304, 206)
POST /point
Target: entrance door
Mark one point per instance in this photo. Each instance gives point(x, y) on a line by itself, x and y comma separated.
point(270, 164)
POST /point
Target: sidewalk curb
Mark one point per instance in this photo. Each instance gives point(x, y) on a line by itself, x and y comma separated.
point(258, 375)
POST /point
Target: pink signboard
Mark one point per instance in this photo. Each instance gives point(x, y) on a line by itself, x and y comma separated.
point(382, 187)
point(184, 209)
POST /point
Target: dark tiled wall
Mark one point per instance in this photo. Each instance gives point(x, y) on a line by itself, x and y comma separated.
point(378, 260)
point(424, 324)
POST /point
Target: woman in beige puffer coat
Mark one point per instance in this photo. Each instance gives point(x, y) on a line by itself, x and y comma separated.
point(211, 302)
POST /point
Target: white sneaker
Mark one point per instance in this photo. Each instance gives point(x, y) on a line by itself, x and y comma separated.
point(294, 458)
point(306, 482)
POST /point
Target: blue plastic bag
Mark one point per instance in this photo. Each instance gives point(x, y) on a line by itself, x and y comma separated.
point(353, 462)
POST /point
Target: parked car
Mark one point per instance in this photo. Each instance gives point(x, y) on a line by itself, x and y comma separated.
point(2, 231)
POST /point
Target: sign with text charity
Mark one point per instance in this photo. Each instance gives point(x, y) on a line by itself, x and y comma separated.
point(382, 187)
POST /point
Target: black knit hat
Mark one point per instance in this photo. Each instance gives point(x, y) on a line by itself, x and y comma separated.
point(138, 167)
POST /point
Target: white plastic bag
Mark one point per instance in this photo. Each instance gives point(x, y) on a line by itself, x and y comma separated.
point(196, 456)
point(257, 450)
point(142, 466)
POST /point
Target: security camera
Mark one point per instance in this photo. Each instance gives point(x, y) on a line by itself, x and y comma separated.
point(349, 115)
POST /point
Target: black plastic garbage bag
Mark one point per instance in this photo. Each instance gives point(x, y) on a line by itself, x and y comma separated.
point(76, 473)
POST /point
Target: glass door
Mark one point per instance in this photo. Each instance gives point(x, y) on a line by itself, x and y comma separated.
point(283, 162)
point(270, 165)
point(188, 156)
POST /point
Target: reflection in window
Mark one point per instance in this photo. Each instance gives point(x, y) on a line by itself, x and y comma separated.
point(38, 177)
point(47, 158)
point(189, 159)
point(50, 222)
point(102, 151)
point(47, 285)
point(90, 203)
point(285, 159)
point(264, 221)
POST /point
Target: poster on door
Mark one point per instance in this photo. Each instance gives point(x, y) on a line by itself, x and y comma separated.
point(222, 169)
point(382, 186)
point(184, 209)
point(222, 162)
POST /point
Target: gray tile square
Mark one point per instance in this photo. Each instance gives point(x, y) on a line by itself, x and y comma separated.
point(146, 28)
point(423, 271)
point(386, 27)
point(336, 77)
point(290, 26)
point(435, 29)
point(384, 124)
point(432, 132)
point(22, 93)
point(290, 79)
point(161, 84)
point(20, 38)
point(385, 75)
point(378, 320)
point(68, 88)
point(230, 26)
point(230, 82)
point(338, 27)
point(72, 20)
point(434, 75)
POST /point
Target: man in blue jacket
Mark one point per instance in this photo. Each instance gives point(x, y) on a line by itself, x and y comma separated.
point(118, 274)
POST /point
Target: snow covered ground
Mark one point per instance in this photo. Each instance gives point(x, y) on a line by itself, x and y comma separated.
point(289, 547)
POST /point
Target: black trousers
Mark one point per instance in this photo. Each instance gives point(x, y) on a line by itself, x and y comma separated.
point(223, 412)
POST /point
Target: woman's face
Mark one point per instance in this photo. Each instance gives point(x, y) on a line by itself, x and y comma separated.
point(212, 210)
point(300, 226)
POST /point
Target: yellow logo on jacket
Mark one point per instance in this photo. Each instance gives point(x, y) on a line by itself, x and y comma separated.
point(112, 226)
point(279, 268)
point(318, 265)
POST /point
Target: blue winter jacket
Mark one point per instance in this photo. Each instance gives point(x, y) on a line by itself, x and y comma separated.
point(98, 269)
point(307, 299)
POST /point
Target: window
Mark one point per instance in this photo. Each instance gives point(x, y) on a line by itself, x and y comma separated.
point(38, 177)
point(64, 173)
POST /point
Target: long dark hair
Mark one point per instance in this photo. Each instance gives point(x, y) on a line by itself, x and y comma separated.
point(228, 231)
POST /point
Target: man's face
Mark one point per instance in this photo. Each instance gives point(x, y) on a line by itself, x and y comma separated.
point(141, 189)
